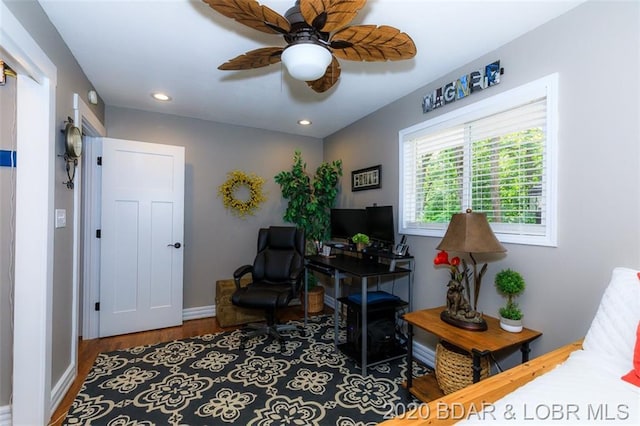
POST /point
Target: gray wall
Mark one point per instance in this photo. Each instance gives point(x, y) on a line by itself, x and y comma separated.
point(594, 48)
point(71, 79)
point(216, 242)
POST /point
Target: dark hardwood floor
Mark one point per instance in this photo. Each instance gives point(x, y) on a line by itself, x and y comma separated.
point(88, 350)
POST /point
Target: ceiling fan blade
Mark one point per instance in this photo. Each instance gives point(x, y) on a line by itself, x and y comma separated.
point(329, 78)
point(330, 15)
point(372, 43)
point(254, 59)
point(252, 14)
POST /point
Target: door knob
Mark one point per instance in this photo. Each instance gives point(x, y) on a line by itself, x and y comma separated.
point(176, 245)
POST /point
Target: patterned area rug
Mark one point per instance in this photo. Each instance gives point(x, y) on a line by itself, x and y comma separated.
point(207, 381)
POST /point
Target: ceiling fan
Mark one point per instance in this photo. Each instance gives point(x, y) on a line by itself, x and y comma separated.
point(317, 34)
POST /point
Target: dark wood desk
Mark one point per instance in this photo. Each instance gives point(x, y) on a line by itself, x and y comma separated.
point(341, 266)
point(477, 343)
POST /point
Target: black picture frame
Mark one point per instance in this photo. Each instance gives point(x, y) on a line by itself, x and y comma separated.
point(369, 178)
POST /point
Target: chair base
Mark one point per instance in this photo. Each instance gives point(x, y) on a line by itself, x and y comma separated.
point(273, 330)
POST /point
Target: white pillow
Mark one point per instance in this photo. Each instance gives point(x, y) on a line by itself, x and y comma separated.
point(613, 331)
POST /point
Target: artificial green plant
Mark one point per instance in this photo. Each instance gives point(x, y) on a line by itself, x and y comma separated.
point(310, 198)
point(510, 284)
point(360, 238)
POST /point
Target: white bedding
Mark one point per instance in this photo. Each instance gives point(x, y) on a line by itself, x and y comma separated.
point(587, 388)
point(582, 390)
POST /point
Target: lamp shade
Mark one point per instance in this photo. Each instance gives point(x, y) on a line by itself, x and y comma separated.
point(470, 233)
point(306, 61)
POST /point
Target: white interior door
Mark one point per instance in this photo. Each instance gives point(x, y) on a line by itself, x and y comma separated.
point(141, 236)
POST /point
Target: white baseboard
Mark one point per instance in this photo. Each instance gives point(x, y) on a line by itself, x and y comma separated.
point(199, 312)
point(64, 384)
point(5, 415)
point(424, 354)
point(329, 301)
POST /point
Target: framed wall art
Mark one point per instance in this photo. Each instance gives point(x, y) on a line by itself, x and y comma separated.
point(369, 178)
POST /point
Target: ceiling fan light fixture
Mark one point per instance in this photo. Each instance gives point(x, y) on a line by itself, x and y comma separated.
point(317, 33)
point(306, 61)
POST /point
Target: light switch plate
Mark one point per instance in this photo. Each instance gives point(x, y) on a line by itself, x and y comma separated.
point(61, 218)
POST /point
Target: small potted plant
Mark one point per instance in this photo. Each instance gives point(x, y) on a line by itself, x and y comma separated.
point(510, 284)
point(361, 241)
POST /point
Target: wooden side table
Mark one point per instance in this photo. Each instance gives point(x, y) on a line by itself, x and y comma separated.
point(477, 343)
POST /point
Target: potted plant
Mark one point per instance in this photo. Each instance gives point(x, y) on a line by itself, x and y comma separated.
point(310, 198)
point(510, 284)
point(310, 201)
point(361, 241)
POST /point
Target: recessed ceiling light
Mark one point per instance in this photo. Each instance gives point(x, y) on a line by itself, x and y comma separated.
point(161, 97)
point(304, 122)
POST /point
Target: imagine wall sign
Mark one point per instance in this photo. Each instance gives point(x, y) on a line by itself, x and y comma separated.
point(463, 87)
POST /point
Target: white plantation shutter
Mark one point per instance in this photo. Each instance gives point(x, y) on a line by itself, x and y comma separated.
point(496, 157)
point(442, 148)
point(514, 120)
point(509, 185)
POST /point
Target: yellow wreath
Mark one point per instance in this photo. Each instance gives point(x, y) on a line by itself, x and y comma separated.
point(235, 180)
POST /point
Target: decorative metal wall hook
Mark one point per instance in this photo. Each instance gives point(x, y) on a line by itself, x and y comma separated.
point(70, 174)
point(73, 149)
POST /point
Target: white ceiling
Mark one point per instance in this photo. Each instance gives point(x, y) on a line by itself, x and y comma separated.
point(131, 48)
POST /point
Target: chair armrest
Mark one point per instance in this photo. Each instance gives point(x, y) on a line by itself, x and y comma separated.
point(296, 274)
point(296, 278)
point(240, 272)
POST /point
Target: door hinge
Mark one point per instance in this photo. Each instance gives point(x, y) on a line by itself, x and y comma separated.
point(99, 160)
point(97, 306)
point(98, 233)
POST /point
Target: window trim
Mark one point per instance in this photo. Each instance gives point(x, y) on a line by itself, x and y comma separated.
point(545, 86)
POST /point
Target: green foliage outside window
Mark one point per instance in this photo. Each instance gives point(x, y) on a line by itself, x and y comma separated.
point(442, 182)
point(506, 179)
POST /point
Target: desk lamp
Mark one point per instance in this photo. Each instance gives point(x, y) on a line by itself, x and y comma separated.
point(471, 234)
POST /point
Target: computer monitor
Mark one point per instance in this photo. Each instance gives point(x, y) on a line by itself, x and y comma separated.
point(380, 224)
point(345, 223)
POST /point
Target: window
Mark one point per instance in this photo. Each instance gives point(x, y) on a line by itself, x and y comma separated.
point(496, 156)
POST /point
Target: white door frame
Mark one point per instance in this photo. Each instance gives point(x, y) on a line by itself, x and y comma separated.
point(91, 221)
point(90, 125)
point(36, 90)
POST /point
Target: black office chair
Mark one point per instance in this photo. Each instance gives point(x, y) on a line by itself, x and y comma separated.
point(277, 274)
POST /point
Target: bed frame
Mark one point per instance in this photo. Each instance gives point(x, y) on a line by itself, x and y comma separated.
point(457, 405)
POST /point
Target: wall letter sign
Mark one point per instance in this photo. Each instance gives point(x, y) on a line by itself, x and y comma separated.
point(463, 87)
